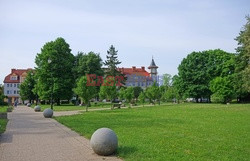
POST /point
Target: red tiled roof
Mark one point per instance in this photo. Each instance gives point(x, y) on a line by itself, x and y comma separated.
point(134, 71)
point(17, 72)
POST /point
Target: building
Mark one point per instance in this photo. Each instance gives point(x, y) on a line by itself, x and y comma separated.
point(139, 76)
point(12, 83)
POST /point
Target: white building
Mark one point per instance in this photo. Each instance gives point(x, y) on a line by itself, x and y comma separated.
point(12, 83)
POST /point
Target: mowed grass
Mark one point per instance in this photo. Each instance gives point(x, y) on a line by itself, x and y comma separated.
point(3, 122)
point(173, 132)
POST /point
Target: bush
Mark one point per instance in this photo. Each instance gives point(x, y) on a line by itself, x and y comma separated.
point(217, 98)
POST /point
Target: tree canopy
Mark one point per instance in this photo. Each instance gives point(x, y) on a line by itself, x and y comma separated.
point(85, 92)
point(54, 71)
point(26, 88)
point(199, 68)
point(243, 58)
point(112, 62)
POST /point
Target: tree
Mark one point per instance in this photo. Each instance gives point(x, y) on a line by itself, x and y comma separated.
point(223, 89)
point(108, 89)
point(167, 80)
point(85, 92)
point(199, 68)
point(2, 96)
point(112, 62)
point(243, 60)
point(54, 71)
point(142, 98)
point(122, 93)
point(173, 93)
point(153, 93)
point(137, 91)
point(129, 94)
point(90, 63)
point(26, 88)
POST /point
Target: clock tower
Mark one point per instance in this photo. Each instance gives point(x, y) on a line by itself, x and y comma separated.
point(153, 68)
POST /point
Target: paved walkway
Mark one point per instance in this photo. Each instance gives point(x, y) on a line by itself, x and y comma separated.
point(31, 137)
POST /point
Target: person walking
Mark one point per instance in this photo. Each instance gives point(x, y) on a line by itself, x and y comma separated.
point(15, 103)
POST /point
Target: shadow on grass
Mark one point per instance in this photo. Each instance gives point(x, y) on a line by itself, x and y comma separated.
point(126, 150)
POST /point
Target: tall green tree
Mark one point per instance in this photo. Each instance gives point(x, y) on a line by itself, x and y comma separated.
point(90, 63)
point(2, 94)
point(54, 71)
point(26, 88)
point(85, 92)
point(243, 61)
point(112, 62)
point(199, 68)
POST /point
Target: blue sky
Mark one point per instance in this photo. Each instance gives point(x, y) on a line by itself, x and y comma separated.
point(168, 30)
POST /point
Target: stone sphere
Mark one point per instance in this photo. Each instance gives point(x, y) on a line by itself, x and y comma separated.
point(28, 104)
point(104, 141)
point(37, 108)
point(48, 113)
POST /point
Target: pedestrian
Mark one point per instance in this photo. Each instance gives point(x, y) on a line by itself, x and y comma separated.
point(15, 103)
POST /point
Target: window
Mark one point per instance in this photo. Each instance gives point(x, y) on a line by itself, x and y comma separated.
point(8, 92)
point(17, 92)
point(13, 78)
point(18, 85)
point(14, 85)
point(8, 85)
point(14, 91)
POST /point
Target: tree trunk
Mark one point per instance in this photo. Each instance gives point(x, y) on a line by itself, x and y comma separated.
point(58, 102)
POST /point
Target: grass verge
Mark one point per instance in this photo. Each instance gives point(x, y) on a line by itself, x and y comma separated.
point(173, 132)
point(3, 122)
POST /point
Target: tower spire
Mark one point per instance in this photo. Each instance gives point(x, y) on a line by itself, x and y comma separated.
point(153, 67)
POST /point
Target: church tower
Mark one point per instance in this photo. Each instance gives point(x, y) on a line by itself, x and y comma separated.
point(153, 68)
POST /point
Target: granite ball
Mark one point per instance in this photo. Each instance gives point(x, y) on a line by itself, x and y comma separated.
point(28, 104)
point(104, 141)
point(48, 113)
point(37, 108)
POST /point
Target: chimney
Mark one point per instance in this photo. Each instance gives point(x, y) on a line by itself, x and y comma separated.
point(13, 70)
point(133, 67)
point(143, 68)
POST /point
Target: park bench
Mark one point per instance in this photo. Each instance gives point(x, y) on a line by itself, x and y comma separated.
point(116, 105)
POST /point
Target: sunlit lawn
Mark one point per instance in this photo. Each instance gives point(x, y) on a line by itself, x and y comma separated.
point(3, 122)
point(173, 132)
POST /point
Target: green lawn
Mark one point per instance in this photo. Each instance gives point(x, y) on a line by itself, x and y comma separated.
point(173, 132)
point(3, 122)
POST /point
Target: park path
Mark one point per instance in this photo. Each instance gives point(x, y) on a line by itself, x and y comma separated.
point(31, 137)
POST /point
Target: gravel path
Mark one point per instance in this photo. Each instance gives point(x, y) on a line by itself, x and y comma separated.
point(31, 137)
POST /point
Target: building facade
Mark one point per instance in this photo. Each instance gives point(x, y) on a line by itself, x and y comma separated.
point(139, 76)
point(12, 83)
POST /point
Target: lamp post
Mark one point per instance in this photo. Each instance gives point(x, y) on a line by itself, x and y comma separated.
point(52, 85)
